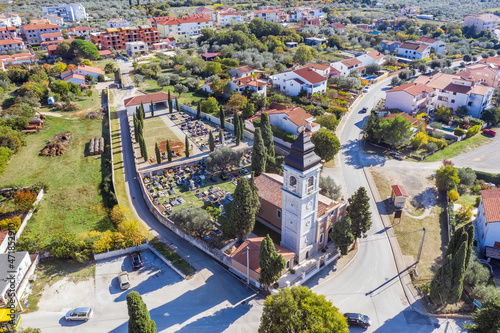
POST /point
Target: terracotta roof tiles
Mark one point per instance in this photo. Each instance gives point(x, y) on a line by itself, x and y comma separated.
point(491, 203)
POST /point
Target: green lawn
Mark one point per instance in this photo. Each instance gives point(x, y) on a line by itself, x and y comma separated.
point(150, 86)
point(191, 198)
point(155, 130)
point(461, 147)
point(86, 104)
point(467, 199)
point(174, 258)
point(73, 202)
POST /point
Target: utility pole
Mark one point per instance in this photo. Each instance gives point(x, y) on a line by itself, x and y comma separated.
point(248, 265)
point(421, 247)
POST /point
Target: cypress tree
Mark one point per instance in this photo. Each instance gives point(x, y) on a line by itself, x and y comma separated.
point(441, 283)
point(169, 151)
point(470, 244)
point(456, 240)
point(198, 111)
point(242, 127)
point(170, 106)
point(186, 143)
point(143, 114)
point(139, 130)
point(144, 148)
point(139, 317)
point(267, 134)
point(152, 107)
point(236, 122)
point(211, 143)
point(177, 104)
point(242, 217)
point(259, 155)
point(359, 212)
point(458, 273)
point(157, 152)
point(271, 262)
point(135, 126)
point(255, 193)
point(222, 117)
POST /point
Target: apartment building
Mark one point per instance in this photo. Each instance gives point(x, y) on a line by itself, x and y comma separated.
point(33, 32)
point(186, 26)
point(271, 13)
point(117, 37)
point(136, 47)
point(117, 23)
point(225, 16)
point(80, 31)
point(9, 20)
point(52, 19)
point(8, 33)
point(14, 44)
point(482, 21)
point(69, 12)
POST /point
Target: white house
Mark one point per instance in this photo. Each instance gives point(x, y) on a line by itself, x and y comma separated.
point(53, 19)
point(270, 13)
point(409, 98)
point(69, 12)
point(322, 69)
point(373, 57)
point(346, 66)
point(9, 20)
point(488, 223)
point(75, 78)
point(79, 32)
point(136, 47)
point(414, 51)
point(254, 84)
point(241, 71)
point(159, 99)
point(17, 59)
point(185, 26)
point(482, 73)
point(117, 23)
point(435, 44)
point(13, 268)
point(83, 70)
point(14, 44)
point(225, 16)
point(33, 32)
point(293, 82)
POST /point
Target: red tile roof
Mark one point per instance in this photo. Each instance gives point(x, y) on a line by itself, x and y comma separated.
point(414, 46)
point(375, 55)
point(491, 203)
point(155, 97)
point(27, 27)
point(244, 69)
point(399, 191)
point(253, 244)
point(105, 52)
point(89, 69)
point(338, 25)
point(413, 89)
point(310, 75)
point(11, 41)
point(351, 62)
point(320, 67)
point(428, 40)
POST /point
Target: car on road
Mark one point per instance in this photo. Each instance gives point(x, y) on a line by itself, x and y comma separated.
point(223, 176)
point(364, 110)
point(397, 155)
point(366, 89)
point(490, 132)
point(136, 260)
point(123, 280)
point(244, 171)
point(79, 314)
point(357, 319)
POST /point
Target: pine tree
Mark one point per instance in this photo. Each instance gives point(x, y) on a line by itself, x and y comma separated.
point(177, 104)
point(271, 262)
point(236, 123)
point(267, 134)
point(211, 143)
point(441, 283)
point(359, 212)
point(458, 273)
point(139, 317)
point(259, 155)
point(169, 151)
point(222, 117)
point(152, 107)
point(342, 235)
point(198, 111)
point(170, 106)
point(242, 217)
point(186, 143)
point(157, 152)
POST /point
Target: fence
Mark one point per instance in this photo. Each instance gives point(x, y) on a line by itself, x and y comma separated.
point(121, 252)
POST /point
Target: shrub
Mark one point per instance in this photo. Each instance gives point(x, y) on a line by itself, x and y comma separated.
point(473, 130)
point(24, 200)
point(459, 131)
point(101, 78)
point(440, 143)
point(431, 147)
point(12, 224)
point(436, 125)
point(453, 195)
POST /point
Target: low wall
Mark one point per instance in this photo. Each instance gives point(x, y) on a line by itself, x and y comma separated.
point(166, 261)
point(317, 270)
point(204, 115)
point(121, 252)
point(29, 215)
point(282, 142)
point(29, 273)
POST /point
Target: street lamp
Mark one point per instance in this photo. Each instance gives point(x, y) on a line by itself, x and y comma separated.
point(421, 247)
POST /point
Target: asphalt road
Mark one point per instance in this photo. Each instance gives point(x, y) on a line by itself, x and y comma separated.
point(370, 284)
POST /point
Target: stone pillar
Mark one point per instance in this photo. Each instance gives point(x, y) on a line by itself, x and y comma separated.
point(318, 263)
point(303, 275)
point(288, 284)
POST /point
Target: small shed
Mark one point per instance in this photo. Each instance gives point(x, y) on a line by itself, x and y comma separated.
point(210, 56)
point(399, 196)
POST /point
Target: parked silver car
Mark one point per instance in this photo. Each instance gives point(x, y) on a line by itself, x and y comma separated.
point(123, 280)
point(79, 314)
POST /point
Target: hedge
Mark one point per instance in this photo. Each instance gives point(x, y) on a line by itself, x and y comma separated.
point(488, 177)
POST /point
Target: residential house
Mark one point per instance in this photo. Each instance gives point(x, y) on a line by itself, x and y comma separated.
point(253, 84)
point(206, 12)
point(105, 54)
point(210, 56)
point(17, 59)
point(291, 119)
point(225, 16)
point(9, 20)
point(245, 261)
point(322, 69)
point(487, 223)
point(136, 47)
point(453, 91)
point(414, 51)
point(241, 71)
point(115, 38)
point(184, 26)
point(338, 25)
point(159, 99)
point(390, 45)
point(494, 62)
point(33, 32)
point(51, 19)
point(316, 41)
point(303, 79)
point(13, 268)
point(14, 44)
point(482, 73)
point(345, 67)
point(153, 21)
point(310, 20)
point(75, 78)
point(83, 70)
point(410, 98)
point(69, 12)
point(8, 33)
point(373, 57)
point(482, 22)
point(117, 23)
point(79, 32)
point(270, 13)
point(436, 44)
point(52, 38)
point(42, 21)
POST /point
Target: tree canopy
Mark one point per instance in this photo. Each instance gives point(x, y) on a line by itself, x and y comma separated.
point(271, 262)
point(326, 143)
point(139, 318)
point(223, 159)
point(359, 212)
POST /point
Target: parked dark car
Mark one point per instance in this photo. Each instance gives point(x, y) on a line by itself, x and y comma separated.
point(488, 131)
point(357, 319)
point(136, 260)
point(364, 110)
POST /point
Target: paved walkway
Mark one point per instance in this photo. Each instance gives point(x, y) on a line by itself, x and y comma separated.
point(194, 150)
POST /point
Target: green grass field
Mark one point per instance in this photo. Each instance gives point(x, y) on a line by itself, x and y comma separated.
point(461, 147)
point(155, 130)
point(73, 202)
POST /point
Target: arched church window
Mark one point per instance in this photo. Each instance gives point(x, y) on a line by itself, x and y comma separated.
point(293, 183)
point(310, 184)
